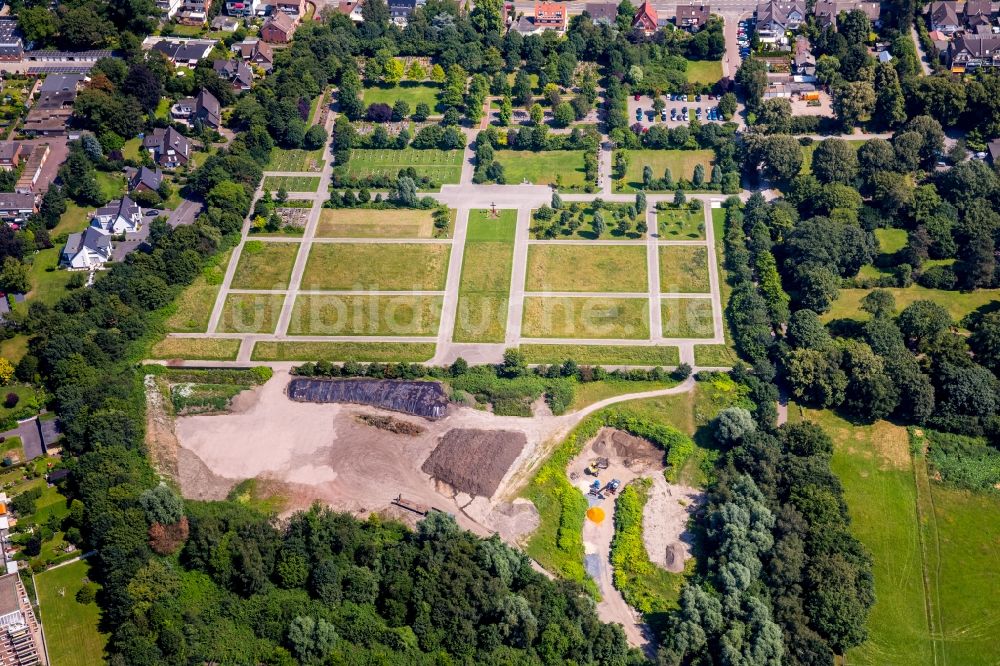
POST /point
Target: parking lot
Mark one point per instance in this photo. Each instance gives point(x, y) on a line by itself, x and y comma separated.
point(673, 114)
point(744, 29)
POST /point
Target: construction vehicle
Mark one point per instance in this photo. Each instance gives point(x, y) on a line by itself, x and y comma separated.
point(410, 505)
point(595, 490)
point(613, 486)
point(809, 96)
point(597, 464)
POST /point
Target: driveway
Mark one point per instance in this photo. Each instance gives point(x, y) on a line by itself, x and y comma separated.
point(185, 213)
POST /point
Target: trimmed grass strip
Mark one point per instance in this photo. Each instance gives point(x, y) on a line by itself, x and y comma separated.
point(196, 349)
point(374, 223)
point(587, 268)
point(362, 352)
point(377, 266)
point(601, 354)
point(366, 315)
point(562, 168)
point(586, 318)
point(292, 183)
point(687, 317)
point(486, 274)
point(250, 313)
point(683, 269)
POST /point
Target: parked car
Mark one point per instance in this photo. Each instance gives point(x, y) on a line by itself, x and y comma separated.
point(638, 114)
point(663, 114)
point(638, 97)
point(697, 98)
point(673, 114)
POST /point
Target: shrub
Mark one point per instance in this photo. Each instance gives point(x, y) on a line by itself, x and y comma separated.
point(86, 594)
point(11, 400)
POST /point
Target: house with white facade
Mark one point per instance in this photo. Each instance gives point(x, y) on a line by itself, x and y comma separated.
point(87, 250)
point(118, 217)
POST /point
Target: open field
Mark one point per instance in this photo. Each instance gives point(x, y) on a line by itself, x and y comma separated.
point(585, 318)
point(198, 349)
point(703, 72)
point(384, 352)
point(486, 273)
point(718, 356)
point(586, 268)
point(250, 313)
point(365, 315)
point(958, 304)
point(292, 183)
point(265, 265)
point(683, 269)
point(681, 224)
point(410, 92)
point(296, 160)
point(71, 632)
point(602, 354)
point(193, 306)
point(373, 223)
point(715, 356)
point(13, 349)
point(442, 166)
point(687, 317)
point(891, 241)
point(562, 168)
point(377, 266)
point(680, 162)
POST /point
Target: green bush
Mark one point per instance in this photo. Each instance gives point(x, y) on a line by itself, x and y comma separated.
point(965, 462)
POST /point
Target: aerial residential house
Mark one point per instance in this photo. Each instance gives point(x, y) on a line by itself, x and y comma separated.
point(193, 12)
point(401, 10)
point(87, 250)
point(20, 631)
point(118, 217)
point(804, 63)
point(293, 8)
point(691, 17)
point(256, 52)
point(944, 17)
point(11, 46)
point(646, 20)
point(237, 72)
point(978, 13)
point(279, 28)
point(168, 147)
point(51, 112)
point(10, 154)
point(970, 52)
point(993, 148)
point(602, 12)
point(204, 107)
point(242, 8)
point(827, 11)
point(184, 52)
point(775, 18)
point(225, 23)
point(168, 7)
point(30, 180)
point(144, 179)
point(351, 9)
point(16, 208)
point(551, 16)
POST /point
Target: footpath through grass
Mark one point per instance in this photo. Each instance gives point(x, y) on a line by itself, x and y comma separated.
point(486, 273)
point(71, 628)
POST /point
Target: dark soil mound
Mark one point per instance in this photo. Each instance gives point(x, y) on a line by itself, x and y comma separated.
point(390, 424)
point(425, 399)
point(474, 461)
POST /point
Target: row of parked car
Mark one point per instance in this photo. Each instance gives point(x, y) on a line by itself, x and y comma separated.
point(743, 38)
point(681, 114)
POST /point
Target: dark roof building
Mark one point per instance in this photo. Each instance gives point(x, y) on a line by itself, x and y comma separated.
point(236, 72)
point(280, 27)
point(15, 207)
point(169, 148)
point(944, 16)
point(691, 17)
point(970, 52)
point(145, 179)
point(186, 53)
point(602, 12)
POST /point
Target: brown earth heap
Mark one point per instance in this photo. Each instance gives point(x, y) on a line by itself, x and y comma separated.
point(474, 461)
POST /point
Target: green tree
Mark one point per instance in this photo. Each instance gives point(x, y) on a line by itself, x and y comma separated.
point(752, 76)
point(416, 72)
point(393, 73)
point(853, 102)
point(14, 276)
point(437, 74)
point(563, 115)
point(890, 108)
point(835, 161)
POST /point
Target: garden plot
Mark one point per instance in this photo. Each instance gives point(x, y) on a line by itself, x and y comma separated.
point(293, 217)
point(586, 317)
point(377, 266)
point(687, 317)
point(296, 160)
point(265, 265)
point(250, 313)
point(684, 269)
point(340, 315)
point(681, 224)
point(374, 223)
point(441, 166)
point(291, 183)
point(595, 268)
point(681, 164)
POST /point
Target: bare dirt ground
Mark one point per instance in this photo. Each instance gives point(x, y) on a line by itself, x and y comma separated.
point(665, 520)
point(474, 461)
point(161, 439)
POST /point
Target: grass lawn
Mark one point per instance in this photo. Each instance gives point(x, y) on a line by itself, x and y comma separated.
point(891, 241)
point(681, 224)
point(366, 315)
point(875, 467)
point(373, 223)
point(587, 268)
point(76, 218)
point(412, 93)
point(580, 226)
point(958, 304)
point(198, 349)
point(71, 628)
point(383, 352)
point(686, 317)
point(193, 308)
point(586, 318)
point(441, 166)
point(703, 72)
point(587, 393)
point(296, 160)
point(13, 349)
point(680, 162)
point(292, 183)
point(112, 184)
point(562, 168)
point(251, 313)
point(377, 266)
point(602, 354)
point(486, 273)
point(683, 269)
point(132, 148)
point(48, 283)
point(265, 265)
point(715, 356)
